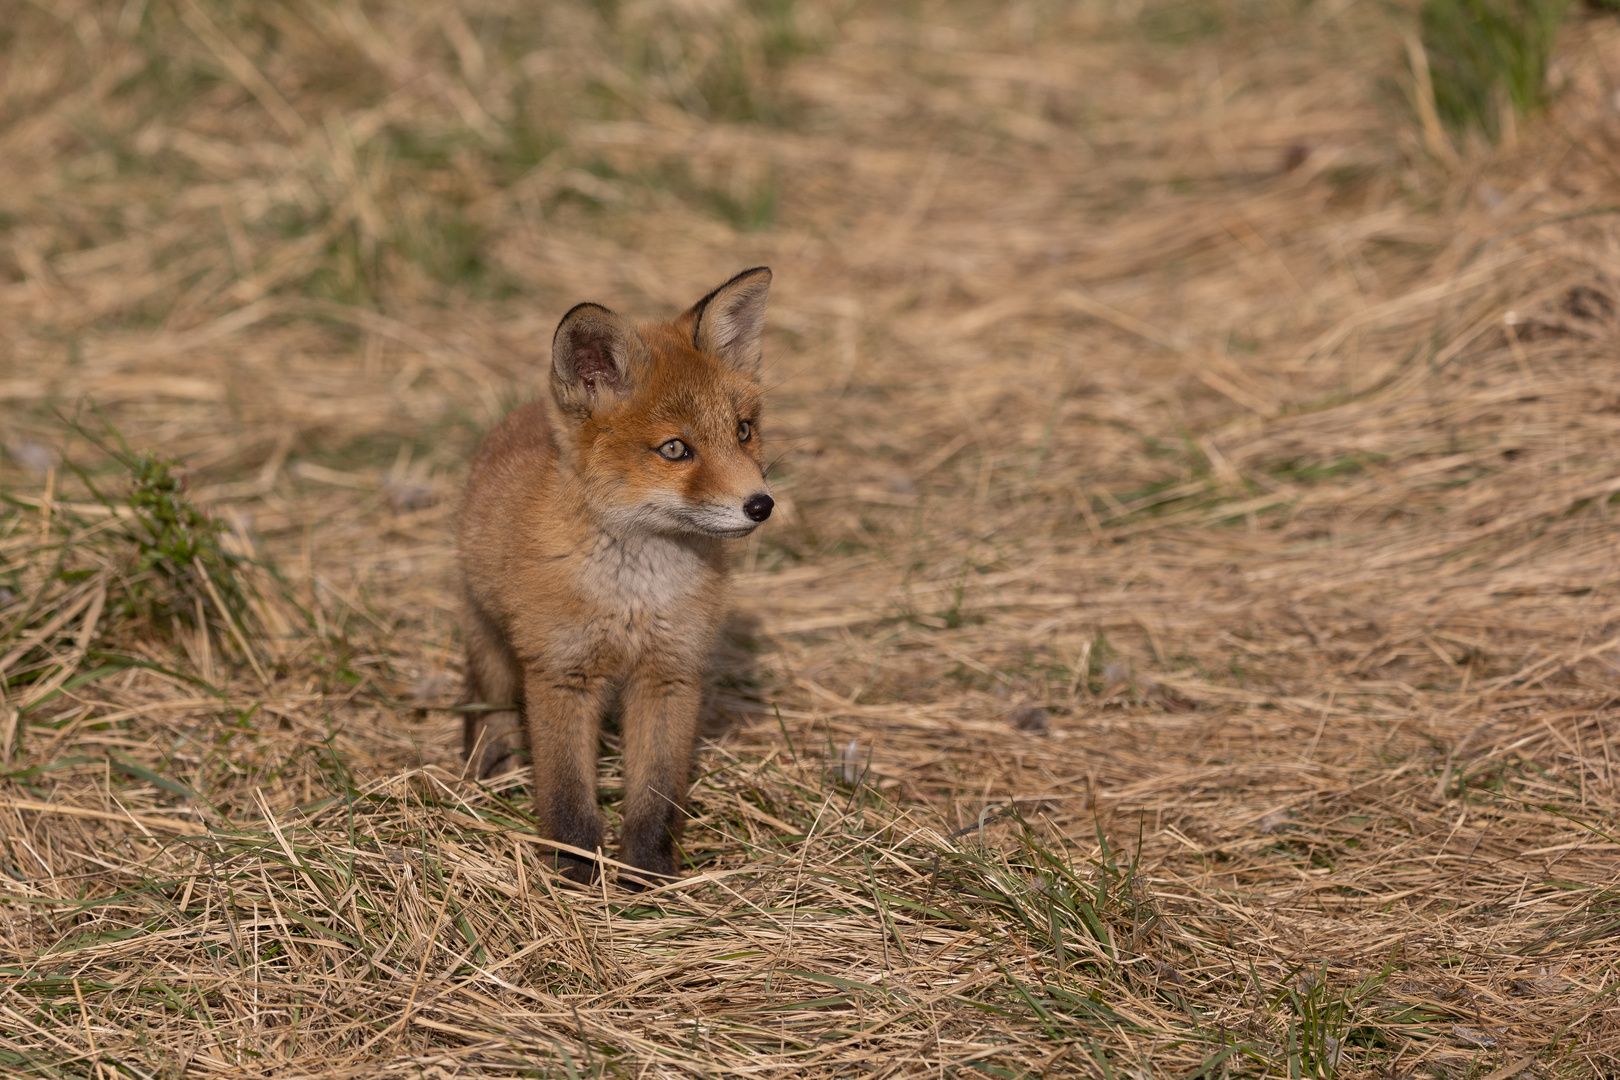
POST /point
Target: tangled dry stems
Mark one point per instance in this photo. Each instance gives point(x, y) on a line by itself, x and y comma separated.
point(1186, 647)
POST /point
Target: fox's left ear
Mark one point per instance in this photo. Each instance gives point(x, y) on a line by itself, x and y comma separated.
point(728, 322)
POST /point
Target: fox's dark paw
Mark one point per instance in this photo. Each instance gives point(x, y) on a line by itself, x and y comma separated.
point(580, 871)
point(494, 764)
point(498, 745)
point(653, 864)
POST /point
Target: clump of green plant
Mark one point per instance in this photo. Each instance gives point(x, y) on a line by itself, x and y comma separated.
point(1489, 56)
point(78, 588)
point(179, 562)
point(170, 564)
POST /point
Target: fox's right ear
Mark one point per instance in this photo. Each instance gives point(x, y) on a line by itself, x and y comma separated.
point(594, 356)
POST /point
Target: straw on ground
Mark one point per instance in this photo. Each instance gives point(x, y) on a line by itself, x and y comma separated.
point(1186, 645)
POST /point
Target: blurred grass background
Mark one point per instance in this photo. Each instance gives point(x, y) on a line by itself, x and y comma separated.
point(1184, 648)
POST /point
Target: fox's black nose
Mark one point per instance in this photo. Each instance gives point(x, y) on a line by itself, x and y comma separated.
point(758, 507)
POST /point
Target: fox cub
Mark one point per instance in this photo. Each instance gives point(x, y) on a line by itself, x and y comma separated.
point(592, 547)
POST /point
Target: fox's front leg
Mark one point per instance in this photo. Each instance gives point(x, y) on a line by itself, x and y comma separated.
point(563, 712)
point(660, 713)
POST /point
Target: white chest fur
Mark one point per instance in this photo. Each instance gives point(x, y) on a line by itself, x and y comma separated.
point(641, 575)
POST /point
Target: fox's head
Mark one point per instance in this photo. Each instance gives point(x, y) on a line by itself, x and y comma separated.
point(662, 422)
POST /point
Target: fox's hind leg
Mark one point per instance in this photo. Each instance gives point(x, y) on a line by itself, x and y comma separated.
point(492, 742)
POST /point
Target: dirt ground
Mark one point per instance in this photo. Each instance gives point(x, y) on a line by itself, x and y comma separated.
point(1185, 646)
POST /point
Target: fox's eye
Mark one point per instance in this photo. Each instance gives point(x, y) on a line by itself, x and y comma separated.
point(675, 450)
point(745, 431)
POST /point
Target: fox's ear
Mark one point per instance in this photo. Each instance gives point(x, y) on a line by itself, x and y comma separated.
point(594, 357)
point(729, 320)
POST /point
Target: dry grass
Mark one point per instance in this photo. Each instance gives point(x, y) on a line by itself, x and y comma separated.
point(1187, 646)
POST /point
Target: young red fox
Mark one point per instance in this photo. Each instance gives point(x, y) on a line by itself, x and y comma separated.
point(593, 552)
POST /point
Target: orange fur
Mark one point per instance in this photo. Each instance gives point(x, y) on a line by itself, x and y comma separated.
point(592, 548)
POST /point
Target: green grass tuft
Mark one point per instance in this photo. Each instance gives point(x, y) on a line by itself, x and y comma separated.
point(1489, 55)
point(170, 561)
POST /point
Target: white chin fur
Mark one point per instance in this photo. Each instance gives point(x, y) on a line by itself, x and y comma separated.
point(681, 517)
point(720, 520)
